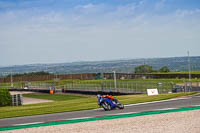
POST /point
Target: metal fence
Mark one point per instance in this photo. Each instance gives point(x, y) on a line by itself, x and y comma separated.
point(104, 86)
point(127, 87)
point(133, 87)
point(192, 86)
point(123, 87)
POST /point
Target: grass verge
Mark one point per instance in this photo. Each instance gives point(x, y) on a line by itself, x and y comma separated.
point(55, 97)
point(81, 103)
point(133, 99)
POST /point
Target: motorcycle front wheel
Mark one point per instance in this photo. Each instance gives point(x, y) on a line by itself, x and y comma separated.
point(106, 106)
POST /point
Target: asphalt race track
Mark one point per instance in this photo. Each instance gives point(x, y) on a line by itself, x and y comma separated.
point(135, 108)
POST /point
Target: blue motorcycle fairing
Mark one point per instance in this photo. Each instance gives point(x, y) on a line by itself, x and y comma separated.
point(101, 100)
point(111, 103)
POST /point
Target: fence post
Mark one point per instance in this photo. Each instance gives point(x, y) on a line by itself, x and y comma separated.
point(136, 87)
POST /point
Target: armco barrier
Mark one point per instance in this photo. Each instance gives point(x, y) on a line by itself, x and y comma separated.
point(36, 90)
point(95, 92)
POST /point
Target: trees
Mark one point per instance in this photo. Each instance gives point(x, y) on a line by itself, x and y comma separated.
point(5, 97)
point(143, 69)
point(149, 69)
point(164, 69)
point(31, 74)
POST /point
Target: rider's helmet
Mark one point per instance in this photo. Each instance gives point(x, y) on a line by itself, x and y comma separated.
point(98, 96)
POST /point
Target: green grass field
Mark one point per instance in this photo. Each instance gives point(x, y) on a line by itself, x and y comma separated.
point(55, 97)
point(66, 103)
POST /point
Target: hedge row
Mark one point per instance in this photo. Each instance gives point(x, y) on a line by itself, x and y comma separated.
point(5, 97)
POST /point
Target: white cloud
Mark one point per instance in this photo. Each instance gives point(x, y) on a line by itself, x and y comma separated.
point(88, 6)
point(186, 13)
point(160, 5)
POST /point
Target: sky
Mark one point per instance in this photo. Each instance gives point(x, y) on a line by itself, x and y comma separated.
point(58, 31)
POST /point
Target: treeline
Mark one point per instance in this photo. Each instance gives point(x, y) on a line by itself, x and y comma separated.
point(5, 97)
point(138, 70)
point(31, 74)
point(149, 69)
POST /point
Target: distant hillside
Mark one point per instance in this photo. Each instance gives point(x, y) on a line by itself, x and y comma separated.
point(176, 64)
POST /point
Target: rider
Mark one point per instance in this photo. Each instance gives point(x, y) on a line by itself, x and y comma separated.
point(111, 99)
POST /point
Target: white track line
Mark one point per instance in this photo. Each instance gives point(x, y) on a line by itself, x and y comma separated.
point(154, 102)
point(124, 113)
point(164, 109)
point(28, 123)
point(75, 118)
point(97, 109)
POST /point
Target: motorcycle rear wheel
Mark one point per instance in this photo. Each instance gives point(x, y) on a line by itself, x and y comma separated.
point(120, 106)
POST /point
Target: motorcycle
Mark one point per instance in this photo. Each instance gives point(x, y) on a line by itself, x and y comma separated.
point(109, 103)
